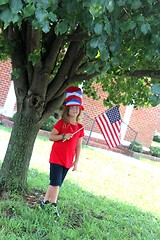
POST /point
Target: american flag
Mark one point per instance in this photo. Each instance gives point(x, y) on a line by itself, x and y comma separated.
point(109, 123)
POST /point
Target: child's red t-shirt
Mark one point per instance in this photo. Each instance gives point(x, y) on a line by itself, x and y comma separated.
point(62, 153)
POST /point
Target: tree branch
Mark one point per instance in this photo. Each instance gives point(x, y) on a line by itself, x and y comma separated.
point(51, 59)
point(81, 77)
point(18, 57)
point(54, 104)
point(78, 37)
point(33, 43)
point(68, 60)
point(28, 51)
point(77, 62)
point(35, 39)
point(48, 38)
point(64, 69)
point(61, 91)
point(38, 86)
point(144, 73)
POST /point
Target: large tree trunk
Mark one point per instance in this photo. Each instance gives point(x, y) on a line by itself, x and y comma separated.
point(13, 174)
point(40, 79)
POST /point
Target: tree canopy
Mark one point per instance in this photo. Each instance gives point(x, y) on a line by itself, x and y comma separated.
point(118, 40)
point(56, 43)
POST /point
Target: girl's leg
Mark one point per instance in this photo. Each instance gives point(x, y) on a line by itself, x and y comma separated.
point(52, 194)
point(51, 197)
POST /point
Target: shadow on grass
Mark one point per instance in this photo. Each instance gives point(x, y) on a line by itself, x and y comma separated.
point(83, 216)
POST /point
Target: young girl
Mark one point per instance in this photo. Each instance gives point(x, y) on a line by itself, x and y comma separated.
point(67, 135)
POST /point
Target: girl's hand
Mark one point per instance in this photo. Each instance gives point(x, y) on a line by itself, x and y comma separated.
point(74, 165)
point(67, 136)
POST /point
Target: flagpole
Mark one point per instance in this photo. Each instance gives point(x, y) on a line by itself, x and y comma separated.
point(91, 131)
point(74, 133)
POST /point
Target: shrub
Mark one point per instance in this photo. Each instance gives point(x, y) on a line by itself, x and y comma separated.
point(14, 117)
point(136, 146)
point(155, 151)
point(48, 124)
point(156, 138)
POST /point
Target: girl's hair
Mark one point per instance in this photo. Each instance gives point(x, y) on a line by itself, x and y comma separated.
point(65, 114)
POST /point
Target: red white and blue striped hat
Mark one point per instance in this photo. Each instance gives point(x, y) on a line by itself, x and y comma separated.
point(74, 97)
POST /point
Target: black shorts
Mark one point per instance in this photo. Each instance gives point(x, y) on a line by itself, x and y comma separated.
point(57, 174)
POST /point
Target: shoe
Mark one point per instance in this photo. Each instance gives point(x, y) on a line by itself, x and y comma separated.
point(54, 206)
point(42, 204)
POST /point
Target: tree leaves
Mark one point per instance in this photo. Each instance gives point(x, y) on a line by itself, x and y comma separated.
point(136, 4)
point(29, 10)
point(98, 28)
point(155, 97)
point(116, 36)
point(145, 28)
point(4, 2)
point(5, 16)
point(121, 2)
point(61, 27)
point(156, 89)
point(128, 25)
point(132, 90)
point(10, 13)
point(15, 6)
point(107, 26)
point(110, 5)
point(41, 15)
point(150, 1)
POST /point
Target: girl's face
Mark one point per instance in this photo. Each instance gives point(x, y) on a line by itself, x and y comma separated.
point(74, 111)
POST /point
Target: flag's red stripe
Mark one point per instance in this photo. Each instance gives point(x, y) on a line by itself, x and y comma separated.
point(100, 124)
point(104, 131)
point(111, 131)
point(116, 129)
point(108, 130)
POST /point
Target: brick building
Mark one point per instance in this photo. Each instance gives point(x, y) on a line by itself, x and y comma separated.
point(5, 80)
point(142, 122)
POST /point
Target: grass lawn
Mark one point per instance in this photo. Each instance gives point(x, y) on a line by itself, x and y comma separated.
point(109, 197)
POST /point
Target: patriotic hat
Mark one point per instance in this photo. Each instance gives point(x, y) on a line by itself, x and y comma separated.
point(74, 97)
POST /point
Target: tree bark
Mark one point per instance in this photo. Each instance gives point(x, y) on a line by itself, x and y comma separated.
point(13, 174)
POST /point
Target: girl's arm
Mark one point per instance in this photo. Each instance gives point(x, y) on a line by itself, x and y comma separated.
point(55, 136)
point(77, 154)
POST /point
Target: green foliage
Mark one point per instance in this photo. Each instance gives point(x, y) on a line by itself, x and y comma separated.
point(48, 124)
point(155, 151)
point(139, 90)
point(156, 138)
point(34, 57)
point(118, 34)
point(5, 48)
point(90, 90)
point(14, 117)
point(136, 146)
point(155, 97)
point(15, 74)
